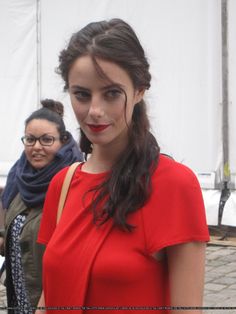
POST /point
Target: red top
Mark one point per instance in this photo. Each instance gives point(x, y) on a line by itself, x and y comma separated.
point(85, 265)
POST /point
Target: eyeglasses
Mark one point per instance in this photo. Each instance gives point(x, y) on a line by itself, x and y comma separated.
point(44, 140)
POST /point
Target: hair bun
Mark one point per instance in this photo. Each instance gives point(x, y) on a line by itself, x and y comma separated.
point(53, 105)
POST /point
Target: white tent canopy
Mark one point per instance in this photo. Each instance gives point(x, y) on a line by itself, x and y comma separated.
point(182, 39)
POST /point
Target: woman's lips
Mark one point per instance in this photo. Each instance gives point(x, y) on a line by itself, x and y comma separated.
point(98, 127)
point(37, 157)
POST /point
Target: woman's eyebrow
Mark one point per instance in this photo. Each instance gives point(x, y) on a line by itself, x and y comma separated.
point(113, 85)
point(105, 87)
point(76, 87)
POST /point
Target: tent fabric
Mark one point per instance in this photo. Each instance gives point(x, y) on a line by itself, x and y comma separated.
point(182, 40)
point(229, 213)
point(18, 76)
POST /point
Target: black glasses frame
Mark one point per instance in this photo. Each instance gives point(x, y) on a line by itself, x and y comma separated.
point(40, 139)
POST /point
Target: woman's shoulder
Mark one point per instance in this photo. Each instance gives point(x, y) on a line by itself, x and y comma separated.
point(172, 172)
point(175, 204)
point(58, 178)
point(60, 175)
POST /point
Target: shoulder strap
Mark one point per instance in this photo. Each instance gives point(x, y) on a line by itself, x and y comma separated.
point(65, 187)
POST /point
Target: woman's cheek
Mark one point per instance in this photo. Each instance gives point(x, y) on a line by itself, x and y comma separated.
point(78, 109)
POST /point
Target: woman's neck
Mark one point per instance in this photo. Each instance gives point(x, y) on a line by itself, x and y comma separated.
point(103, 158)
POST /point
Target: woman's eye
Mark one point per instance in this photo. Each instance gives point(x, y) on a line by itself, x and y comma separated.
point(113, 93)
point(82, 96)
point(29, 139)
point(47, 139)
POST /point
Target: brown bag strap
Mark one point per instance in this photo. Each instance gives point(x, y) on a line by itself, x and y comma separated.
point(65, 187)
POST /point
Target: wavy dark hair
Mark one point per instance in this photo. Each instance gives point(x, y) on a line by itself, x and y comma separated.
point(128, 185)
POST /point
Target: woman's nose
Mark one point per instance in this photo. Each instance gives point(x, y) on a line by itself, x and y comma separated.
point(37, 145)
point(96, 109)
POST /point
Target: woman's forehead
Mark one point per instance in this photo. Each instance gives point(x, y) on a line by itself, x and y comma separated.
point(41, 125)
point(85, 71)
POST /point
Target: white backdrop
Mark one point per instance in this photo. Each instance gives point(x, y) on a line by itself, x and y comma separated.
point(182, 39)
point(17, 76)
point(232, 83)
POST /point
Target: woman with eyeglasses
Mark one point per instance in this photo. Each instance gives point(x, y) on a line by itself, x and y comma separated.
point(48, 148)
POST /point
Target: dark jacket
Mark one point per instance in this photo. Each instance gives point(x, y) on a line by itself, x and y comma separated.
point(32, 252)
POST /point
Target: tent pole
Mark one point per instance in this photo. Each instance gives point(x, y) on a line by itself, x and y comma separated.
point(225, 108)
point(225, 101)
point(38, 44)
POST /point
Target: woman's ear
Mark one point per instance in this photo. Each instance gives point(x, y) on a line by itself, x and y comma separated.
point(139, 93)
point(64, 138)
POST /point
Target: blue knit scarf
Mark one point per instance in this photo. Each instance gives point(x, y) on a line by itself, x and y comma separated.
point(32, 183)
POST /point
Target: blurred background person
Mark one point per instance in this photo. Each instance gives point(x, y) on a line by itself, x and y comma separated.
point(48, 148)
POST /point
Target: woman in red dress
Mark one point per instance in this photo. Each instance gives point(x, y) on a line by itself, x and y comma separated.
point(133, 230)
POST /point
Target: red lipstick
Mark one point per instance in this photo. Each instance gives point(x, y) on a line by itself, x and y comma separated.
point(98, 127)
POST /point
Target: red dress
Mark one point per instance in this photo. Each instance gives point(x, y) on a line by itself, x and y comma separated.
point(96, 267)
